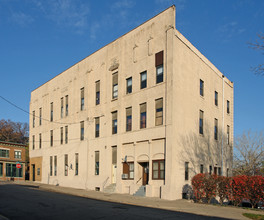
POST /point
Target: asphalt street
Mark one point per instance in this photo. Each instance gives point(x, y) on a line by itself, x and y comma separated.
point(29, 202)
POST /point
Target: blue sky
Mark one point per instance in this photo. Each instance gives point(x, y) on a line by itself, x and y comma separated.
point(40, 39)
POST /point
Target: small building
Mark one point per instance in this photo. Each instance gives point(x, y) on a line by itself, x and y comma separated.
point(12, 161)
point(142, 115)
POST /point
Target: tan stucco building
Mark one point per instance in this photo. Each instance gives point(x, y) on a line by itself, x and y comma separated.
point(146, 110)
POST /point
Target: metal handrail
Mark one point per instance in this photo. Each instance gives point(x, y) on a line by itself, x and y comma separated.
point(139, 180)
point(105, 182)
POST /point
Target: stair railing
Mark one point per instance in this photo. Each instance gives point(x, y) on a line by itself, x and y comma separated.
point(139, 180)
point(104, 183)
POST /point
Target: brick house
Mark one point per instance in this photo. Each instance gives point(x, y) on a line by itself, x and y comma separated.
point(12, 154)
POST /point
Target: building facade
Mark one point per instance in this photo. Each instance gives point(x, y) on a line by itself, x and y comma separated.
point(12, 161)
point(147, 110)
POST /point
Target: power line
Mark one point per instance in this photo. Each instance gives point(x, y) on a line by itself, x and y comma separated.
point(44, 119)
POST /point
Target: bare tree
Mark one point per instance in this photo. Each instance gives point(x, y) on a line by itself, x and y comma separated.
point(249, 154)
point(13, 131)
point(258, 45)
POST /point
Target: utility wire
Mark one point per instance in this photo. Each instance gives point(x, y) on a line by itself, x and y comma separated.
point(11, 103)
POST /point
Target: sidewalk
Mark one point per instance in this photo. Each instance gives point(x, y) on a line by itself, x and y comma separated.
point(175, 205)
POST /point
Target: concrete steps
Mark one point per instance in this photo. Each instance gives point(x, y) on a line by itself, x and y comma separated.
point(110, 188)
point(141, 191)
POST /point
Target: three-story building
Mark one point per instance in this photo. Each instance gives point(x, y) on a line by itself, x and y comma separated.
point(147, 111)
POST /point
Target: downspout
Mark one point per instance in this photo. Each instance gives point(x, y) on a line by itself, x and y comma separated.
point(223, 126)
point(166, 84)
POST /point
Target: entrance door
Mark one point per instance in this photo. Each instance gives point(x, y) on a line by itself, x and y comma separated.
point(145, 173)
point(114, 173)
point(33, 172)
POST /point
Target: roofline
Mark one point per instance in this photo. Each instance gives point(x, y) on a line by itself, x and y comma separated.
point(172, 6)
point(12, 143)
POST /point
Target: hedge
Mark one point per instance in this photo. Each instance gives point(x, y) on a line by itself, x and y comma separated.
point(235, 189)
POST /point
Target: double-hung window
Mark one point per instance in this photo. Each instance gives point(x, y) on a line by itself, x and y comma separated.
point(82, 130)
point(216, 98)
point(129, 119)
point(97, 92)
point(51, 111)
point(143, 115)
point(114, 122)
point(51, 138)
point(215, 129)
point(159, 112)
point(82, 99)
point(115, 85)
point(129, 85)
point(158, 169)
point(97, 127)
point(201, 116)
point(143, 80)
point(66, 105)
point(62, 107)
point(97, 155)
point(159, 67)
point(201, 87)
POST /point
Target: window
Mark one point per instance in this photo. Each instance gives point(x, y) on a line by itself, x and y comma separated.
point(38, 171)
point(51, 138)
point(62, 107)
point(227, 107)
point(4, 153)
point(66, 165)
point(143, 115)
point(66, 105)
point(55, 165)
point(227, 172)
point(66, 134)
point(76, 164)
point(128, 168)
point(216, 129)
point(114, 122)
point(40, 116)
point(1, 169)
point(219, 171)
point(61, 135)
point(97, 127)
point(96, 162)
point(51, 111)
point(159, 112)
point(201, 122)
point(115, 85)
point(82, 99)
point(51, 163)
point(40, 141)
point(33, 142)
point(201, 87)
point(82, 130)
point(228, 134)
point(33, 123)
point(12, 171)
point(201, 168)
point(129, 119)
point(186, 170)
point(129, 85)
point(18, 154)
point(215, 170)
point(97, 92)
point(216, 98)
point(159, 66)
point(158, 169)
point(143, 80)
point(210, 169)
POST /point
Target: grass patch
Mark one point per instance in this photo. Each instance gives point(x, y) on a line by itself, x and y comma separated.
point(254, 216)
